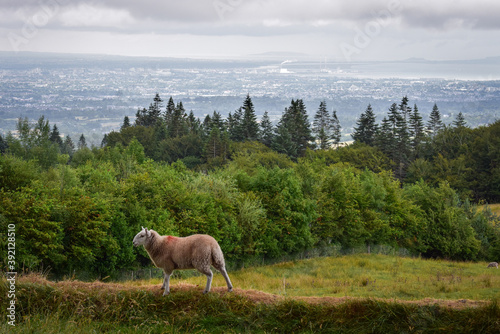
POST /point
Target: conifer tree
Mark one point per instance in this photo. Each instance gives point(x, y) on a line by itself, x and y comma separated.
point(68, 146)
point(266, 130)
point(207, 125)
point(322, 126)
point(218, 122)
point(459, 122)
point(283, 142)
point(169, 111)
point(435, 124)
point(249, 125)
point(404, 108)
point(82, 142)
point(235, 125)
point(336, 129)
point(366, 128)
point(55, 137)
point(213, 146)
point(193, 123)
point(296, 122)
point(126, 123)
point(177, 126)
point(417, 131)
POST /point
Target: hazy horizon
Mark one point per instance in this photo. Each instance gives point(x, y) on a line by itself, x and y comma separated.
point(363, 30)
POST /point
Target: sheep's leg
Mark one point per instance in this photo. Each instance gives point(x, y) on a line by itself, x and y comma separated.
point(166, 284)
point(164, 279)
point(209, 275)
point(226, 277)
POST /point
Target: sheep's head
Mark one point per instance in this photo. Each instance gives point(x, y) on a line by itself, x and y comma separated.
point(141, 237)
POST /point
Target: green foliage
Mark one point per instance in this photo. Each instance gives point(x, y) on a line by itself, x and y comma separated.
point(449, 233)
point(76, 307)
point(80, 210)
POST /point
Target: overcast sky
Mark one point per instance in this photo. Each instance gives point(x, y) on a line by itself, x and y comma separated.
point(346, 30)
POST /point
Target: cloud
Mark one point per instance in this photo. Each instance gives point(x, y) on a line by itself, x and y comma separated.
point(227, 17)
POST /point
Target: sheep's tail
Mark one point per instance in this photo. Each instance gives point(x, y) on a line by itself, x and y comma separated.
point(217, 257)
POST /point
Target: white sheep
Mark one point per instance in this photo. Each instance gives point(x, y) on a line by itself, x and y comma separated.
point(493, 264)
point(197, 251)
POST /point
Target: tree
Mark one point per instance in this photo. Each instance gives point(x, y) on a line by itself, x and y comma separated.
point(266, 130)
point(55, 137)
point(82, 143)
point(169, 111)
point(322, 126)
point(295, 120)
point(283, 142)
point(126, 123)
point(366, 128)
point(417, 132)
point(336, 129)
point(404, 108)
point(234, 125)
point(68, 146)
point(250, 127)
point(435, 124)
point(460, 122)
point(177, 126)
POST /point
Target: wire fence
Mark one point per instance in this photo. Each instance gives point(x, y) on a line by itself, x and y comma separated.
point(332, 250)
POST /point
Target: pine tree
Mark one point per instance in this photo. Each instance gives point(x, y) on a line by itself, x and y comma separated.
point(157, 105)
point(404, 108)
point(193, 123)
point(55, 137)
point(459, 122)
point(177, 127)
point(296, 122)
point(207, 126)
point(235, 125)
point(266, 130)
point(169, 111)
point(68, 146)
point(402, 154)
point(366, 128)
point(3, 145)
point(417, 131)
point(322, 126)
point(336, 129)
point(283, 142)
point(218, 122)
point(435, 124)
point(384, 138)
point(249, 125)
point(126, 123)
point(82, 143)
point(214, 145)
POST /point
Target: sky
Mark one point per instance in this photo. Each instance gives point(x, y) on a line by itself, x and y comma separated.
point(338, 30)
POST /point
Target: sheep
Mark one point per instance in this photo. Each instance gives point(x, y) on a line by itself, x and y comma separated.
point(493, 264)
point(197, 251)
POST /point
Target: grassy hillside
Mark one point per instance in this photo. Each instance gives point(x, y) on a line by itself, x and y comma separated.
point(495, 208)
point(368, 276)
point(351, 294)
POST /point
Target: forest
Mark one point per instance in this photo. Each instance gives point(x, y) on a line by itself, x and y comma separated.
point(263, 190)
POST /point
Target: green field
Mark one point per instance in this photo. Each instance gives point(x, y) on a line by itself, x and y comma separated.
point(350, 294)
point(369, 276)
point(495, 208)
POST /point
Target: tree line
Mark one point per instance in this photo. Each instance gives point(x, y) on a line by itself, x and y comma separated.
point(80, 209)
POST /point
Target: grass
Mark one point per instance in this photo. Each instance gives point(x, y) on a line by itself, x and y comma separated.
point(368, 276)
point(138, 306)
point(495, 208)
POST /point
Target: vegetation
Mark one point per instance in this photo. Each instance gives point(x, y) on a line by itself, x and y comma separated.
point(75, 307)
point(78, 209)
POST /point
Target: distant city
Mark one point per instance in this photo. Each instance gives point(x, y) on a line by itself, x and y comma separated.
point(92, 94)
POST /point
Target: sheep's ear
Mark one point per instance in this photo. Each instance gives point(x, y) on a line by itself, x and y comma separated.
point(148, 233)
